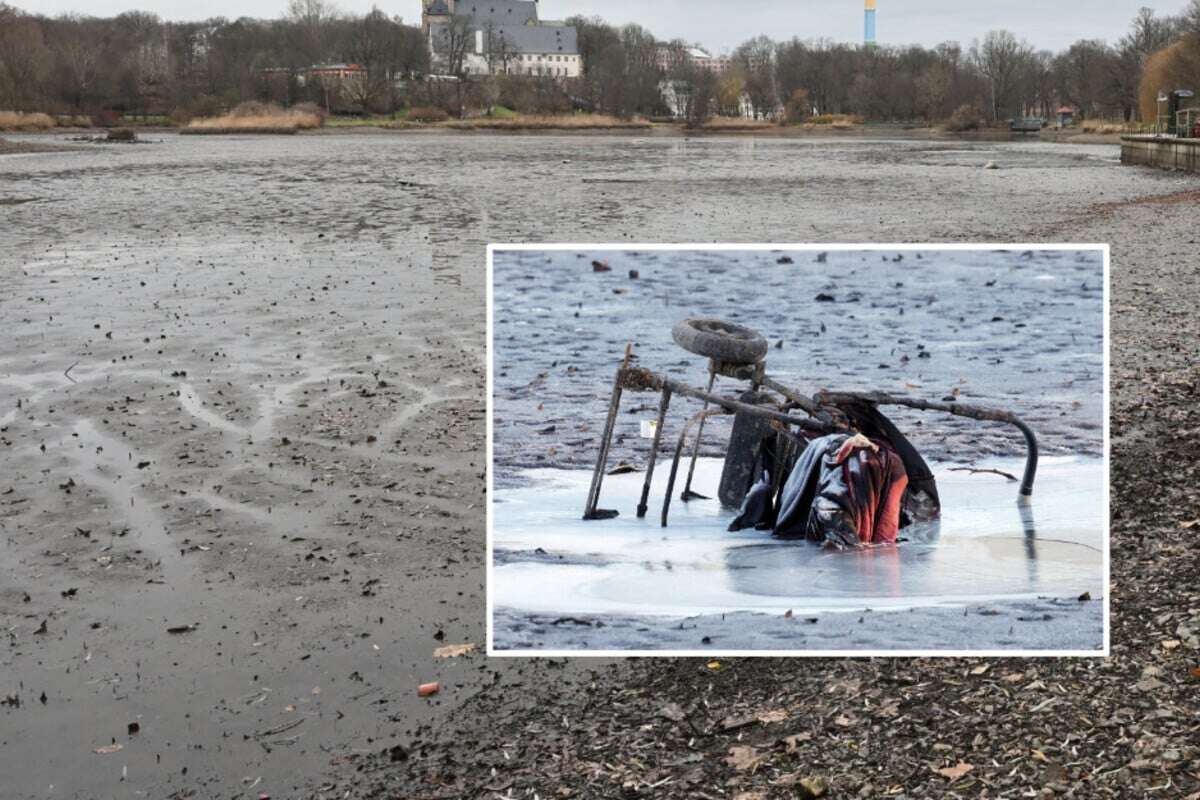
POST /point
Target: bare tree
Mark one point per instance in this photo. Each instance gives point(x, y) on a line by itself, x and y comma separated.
point(756, 58)
point(453, 42)
point(371, 42)
point(24, 60)
point(1002, 58)
point(933, 91)
point(311, 22)
point(1190, 19)
point(497, 51)
point(76, 49)
point(1084, 76)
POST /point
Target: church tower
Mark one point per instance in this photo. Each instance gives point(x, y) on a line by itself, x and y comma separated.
point(436, 12)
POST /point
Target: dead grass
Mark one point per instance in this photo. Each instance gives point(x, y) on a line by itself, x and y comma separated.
point(1100, 126)
point(73, 121)
point(23, 122)
point(564, 122)
point(258, 118)
point(731, 124)
point(837, 120)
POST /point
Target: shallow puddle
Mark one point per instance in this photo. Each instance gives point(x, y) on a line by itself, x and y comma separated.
point(986, 547)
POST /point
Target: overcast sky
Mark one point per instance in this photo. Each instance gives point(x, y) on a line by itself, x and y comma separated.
point(722, 24)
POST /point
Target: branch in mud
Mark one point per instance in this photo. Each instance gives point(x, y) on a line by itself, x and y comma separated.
point(975, 471)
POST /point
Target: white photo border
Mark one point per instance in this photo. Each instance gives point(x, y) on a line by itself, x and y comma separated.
point(1105, 249)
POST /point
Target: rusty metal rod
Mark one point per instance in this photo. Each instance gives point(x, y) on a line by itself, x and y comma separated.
point(593, 498)
point(658, 429)
point(700, 416)
point(958, 410)
point(805, 403)
point(644, 380)
point(686, 494)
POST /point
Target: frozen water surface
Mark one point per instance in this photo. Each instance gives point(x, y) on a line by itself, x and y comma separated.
point(987, 547)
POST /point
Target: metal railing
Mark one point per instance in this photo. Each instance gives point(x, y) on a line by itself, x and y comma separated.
point(1185, 122)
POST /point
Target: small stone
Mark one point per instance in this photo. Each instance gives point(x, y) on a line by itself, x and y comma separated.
point(815, 786)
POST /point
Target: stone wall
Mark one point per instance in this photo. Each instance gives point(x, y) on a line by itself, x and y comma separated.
point(1181, 154)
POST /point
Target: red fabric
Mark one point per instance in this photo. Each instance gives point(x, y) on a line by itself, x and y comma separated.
point(876, 481)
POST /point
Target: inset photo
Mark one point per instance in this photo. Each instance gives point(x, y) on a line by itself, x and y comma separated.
point(798, 450)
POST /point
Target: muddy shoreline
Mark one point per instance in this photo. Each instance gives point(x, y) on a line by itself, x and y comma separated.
point(245, 251)
point(656, 130)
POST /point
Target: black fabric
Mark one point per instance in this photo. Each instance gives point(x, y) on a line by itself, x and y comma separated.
point(801, 488)
point(758, 510)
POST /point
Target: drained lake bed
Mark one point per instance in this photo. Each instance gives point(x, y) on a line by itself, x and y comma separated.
point(364, 255)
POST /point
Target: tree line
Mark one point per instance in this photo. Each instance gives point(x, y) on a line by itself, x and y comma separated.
point(137, 63)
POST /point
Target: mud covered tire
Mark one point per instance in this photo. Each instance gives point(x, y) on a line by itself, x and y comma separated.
point(720, 340)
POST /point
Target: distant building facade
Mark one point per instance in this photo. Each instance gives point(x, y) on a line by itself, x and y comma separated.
point(668, 56)
point(495, 37)
point(337, 72)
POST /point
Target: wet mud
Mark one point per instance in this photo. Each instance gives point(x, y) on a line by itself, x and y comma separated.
point(1019, 330)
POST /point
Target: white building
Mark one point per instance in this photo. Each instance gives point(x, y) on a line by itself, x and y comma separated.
point(499, 37)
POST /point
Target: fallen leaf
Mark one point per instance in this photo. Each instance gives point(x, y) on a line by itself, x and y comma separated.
point(453, 650)
point(743, 758)
point(714, 665)
point(109, 748)
point(980, 670)
point(776, 715)
point(954, 773)
point(1189, 524)
point(1171, 644)
point(792, 743)
point(1054, 773)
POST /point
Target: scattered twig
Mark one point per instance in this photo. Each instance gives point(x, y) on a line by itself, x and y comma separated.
point(280, 729)
point(67, 372)
point(975, 471)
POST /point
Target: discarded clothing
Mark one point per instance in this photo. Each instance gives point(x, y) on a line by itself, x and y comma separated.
point(921, 501)
point(844, 490)
point(758, 509)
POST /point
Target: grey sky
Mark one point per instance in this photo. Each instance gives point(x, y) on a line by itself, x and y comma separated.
point(722, 24)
